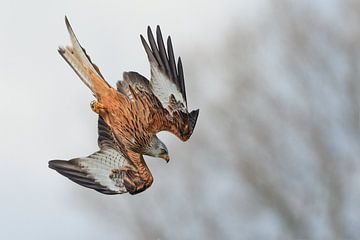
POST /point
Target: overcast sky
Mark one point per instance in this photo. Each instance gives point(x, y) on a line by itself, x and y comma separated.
point(45, 111)
point(45, 114)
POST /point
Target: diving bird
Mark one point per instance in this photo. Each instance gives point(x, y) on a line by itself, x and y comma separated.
point(132, 115)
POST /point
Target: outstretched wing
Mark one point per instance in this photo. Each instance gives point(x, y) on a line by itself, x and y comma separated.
point(111, 170)
point(167, 79)
point(167, 82)
point(97, 171)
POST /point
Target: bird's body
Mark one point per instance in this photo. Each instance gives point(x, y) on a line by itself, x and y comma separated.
point(134, 117)
point(129, 118)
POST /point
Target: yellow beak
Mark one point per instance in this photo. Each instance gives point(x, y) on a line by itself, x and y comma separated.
point(166, 157)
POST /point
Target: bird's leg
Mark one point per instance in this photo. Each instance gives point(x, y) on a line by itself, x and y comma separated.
point(97, 106)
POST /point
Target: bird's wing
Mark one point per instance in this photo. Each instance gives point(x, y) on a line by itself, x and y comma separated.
point(111, 170)
point(167, 82)
point(134, 85)
point(136, 81)
point(106, 138)
point(167, 79)
point(97, 171)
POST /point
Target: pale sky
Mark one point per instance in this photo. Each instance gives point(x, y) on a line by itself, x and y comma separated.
point(45, 111)
point(45, 114)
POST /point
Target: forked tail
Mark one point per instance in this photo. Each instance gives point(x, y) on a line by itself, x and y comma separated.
point(81, 63)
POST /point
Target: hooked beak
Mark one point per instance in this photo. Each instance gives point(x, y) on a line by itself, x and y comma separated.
point(166, 157)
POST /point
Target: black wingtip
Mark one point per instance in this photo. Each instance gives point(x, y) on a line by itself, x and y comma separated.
point(158, 29)
point(73, 171)
point(172, 63)
point(181, 78)
point(144, 43)
point(193, 119)
point(149, 31)
point(158, 33)
point(163, 53)
point(169, 41)
point(55, 164)
point(159, 36)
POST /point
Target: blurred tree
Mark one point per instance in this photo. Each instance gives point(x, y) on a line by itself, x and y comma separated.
point(289, 117)
point(276, 149)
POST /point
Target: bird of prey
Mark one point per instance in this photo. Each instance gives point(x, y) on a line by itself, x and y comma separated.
point(129, 118)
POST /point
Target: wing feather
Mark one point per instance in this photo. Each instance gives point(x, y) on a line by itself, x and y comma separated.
point(154, 48)
point(94, 171)
point(111, 170)
point(180, 77)
point(172, 62)
point(163, 53)
point(135, 81)
point(168, 84)
point(164, 76)
point(106, 137)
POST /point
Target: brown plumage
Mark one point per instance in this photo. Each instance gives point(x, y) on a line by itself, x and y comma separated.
point(132, 115)
point(111, 170)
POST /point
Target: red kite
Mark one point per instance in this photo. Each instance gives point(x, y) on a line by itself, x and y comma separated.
point(129, 118)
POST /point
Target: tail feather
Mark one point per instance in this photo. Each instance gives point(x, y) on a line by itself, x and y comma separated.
point(81, 63)
point(76, 65)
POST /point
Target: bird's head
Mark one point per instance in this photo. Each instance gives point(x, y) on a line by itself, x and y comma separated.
point(157, 149)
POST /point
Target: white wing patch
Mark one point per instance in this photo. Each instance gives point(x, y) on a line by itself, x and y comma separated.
point(163, 87)
point(100, 165)
point(167, 79)
point(99, 171)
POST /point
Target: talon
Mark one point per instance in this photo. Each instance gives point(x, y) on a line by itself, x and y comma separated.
point(96, 106)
